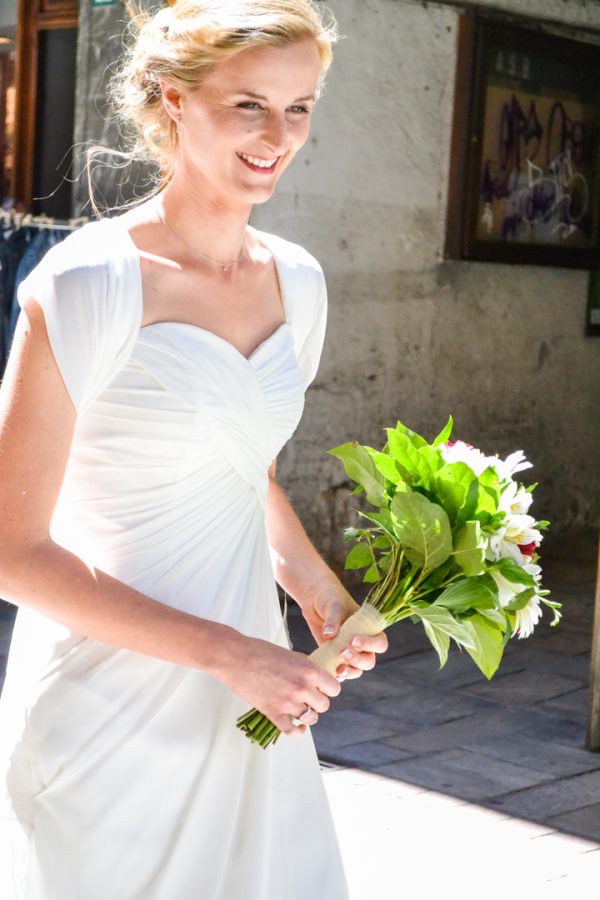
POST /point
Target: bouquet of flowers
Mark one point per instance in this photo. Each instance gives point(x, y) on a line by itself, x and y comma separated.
point(449, 542)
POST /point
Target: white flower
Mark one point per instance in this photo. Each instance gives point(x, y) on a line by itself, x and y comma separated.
point(514, 499)
point(513, 463)
point(515, 531)
point(527, 618)
point(506, 589)
point(461, 452)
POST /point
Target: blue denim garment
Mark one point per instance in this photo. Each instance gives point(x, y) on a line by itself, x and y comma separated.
point(34, 251)
point(12, 247)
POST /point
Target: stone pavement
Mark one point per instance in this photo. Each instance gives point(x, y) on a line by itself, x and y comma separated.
point(477, 754)
point(443, 783)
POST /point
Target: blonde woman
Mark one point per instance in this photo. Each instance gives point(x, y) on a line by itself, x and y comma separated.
point(160, 364)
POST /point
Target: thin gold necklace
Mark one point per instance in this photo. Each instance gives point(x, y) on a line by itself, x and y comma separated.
point(223, 265)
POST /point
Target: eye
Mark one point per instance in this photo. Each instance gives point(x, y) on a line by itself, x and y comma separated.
point(249, 104)
point(300, 109)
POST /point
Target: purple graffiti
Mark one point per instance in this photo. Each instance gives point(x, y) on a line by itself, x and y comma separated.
point(535, 170)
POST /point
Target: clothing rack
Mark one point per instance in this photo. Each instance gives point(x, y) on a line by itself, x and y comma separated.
point(15, 219)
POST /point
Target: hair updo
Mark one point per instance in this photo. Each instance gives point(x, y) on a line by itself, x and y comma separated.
point(183, 41)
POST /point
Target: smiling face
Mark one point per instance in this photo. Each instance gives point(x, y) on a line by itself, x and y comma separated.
point(242, 127)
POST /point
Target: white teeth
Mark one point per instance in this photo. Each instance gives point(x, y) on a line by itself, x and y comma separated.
point(261, 163)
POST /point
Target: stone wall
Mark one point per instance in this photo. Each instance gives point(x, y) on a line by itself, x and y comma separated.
point(412, 336)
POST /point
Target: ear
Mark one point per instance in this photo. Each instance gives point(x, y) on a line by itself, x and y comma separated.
point(171, 100)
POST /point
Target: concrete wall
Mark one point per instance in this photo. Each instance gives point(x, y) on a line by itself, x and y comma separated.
point(412, 336)
point(8, 14)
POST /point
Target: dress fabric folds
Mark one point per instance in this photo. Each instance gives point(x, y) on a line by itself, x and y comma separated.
point(124, 776)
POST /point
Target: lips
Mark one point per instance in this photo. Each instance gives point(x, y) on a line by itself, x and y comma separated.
point(257, 164)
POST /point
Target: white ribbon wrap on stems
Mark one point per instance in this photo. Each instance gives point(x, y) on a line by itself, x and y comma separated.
point(367, 620)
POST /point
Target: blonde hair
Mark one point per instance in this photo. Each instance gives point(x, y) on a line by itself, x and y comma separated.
point(182, 42)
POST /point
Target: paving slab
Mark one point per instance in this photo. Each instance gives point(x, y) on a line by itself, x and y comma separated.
point(566, 641)
point(576, 666)
point(459, 670)
point(527, 751)
point(367, 754)
point(428, 706)
point(546, 801)
point(341, 727)
point(573, 704)
point(545, 726)
point(464, 774)
point(524, 688)
point(584, 821)
point(455, 733)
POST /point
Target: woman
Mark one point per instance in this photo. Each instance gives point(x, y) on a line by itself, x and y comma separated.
point(160, 364)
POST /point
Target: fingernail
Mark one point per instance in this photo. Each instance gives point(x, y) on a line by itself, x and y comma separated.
point(328, 630)
point(356, 642)
point(347, 654)
point(342, 674)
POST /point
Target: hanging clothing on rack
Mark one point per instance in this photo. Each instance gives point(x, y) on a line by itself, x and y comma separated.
point(24, 240)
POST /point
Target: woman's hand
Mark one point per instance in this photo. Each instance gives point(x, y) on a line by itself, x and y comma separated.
point(279, 682)
point(324, 615)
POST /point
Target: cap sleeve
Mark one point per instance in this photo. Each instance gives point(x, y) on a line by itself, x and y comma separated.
point(304, 295)
point(89, 292)
point(309, 355)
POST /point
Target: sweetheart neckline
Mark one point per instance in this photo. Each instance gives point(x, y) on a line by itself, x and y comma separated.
point(217, 337)
point(135, 257)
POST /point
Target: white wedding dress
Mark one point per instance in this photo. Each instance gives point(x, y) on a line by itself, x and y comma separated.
point(125, 777)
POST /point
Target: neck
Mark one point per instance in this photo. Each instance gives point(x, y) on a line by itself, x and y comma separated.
point(214, 228)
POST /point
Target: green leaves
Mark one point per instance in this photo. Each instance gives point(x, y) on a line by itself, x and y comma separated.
point(422, 529)
point(359, 556)
point(360, 468)
point(413, 457)
point(451, 485)
point(444, 434)
point(468, 593)
point(509, 569)
point(469, 549)
point(385, 464)
point(489, 644)
point(440, 625)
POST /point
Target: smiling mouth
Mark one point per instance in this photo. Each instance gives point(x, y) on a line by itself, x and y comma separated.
point(264, 166)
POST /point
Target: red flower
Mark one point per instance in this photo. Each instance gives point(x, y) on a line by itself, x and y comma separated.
point(528, 549)
point(453, 444)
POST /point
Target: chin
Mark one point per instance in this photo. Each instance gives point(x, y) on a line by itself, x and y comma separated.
point(256, 195)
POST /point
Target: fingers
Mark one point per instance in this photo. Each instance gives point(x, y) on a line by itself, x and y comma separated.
point(296, 723)
point(326, 685)
point(360, 655)
point(377, 643)
point(335, 614)
point(285, 725)
point(307, 716)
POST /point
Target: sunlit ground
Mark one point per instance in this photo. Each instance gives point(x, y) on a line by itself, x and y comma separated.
point(402, 841)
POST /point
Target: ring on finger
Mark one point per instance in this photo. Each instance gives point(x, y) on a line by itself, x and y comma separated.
point(301, 719)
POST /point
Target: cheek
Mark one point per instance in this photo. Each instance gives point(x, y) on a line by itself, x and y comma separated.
point(302, 131)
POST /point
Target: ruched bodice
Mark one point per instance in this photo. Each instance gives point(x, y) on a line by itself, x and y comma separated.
point(126, 775)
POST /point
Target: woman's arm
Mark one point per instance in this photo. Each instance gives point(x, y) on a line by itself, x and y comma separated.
point(37, 419)
point(306, 577)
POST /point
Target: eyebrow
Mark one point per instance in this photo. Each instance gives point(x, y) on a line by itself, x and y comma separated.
point(262, 97)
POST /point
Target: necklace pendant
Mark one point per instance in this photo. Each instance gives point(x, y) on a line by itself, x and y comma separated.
point(225, 268)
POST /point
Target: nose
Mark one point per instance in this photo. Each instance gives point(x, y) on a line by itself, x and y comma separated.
point(275, 135)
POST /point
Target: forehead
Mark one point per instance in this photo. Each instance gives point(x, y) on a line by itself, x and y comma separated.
point(295, 66)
